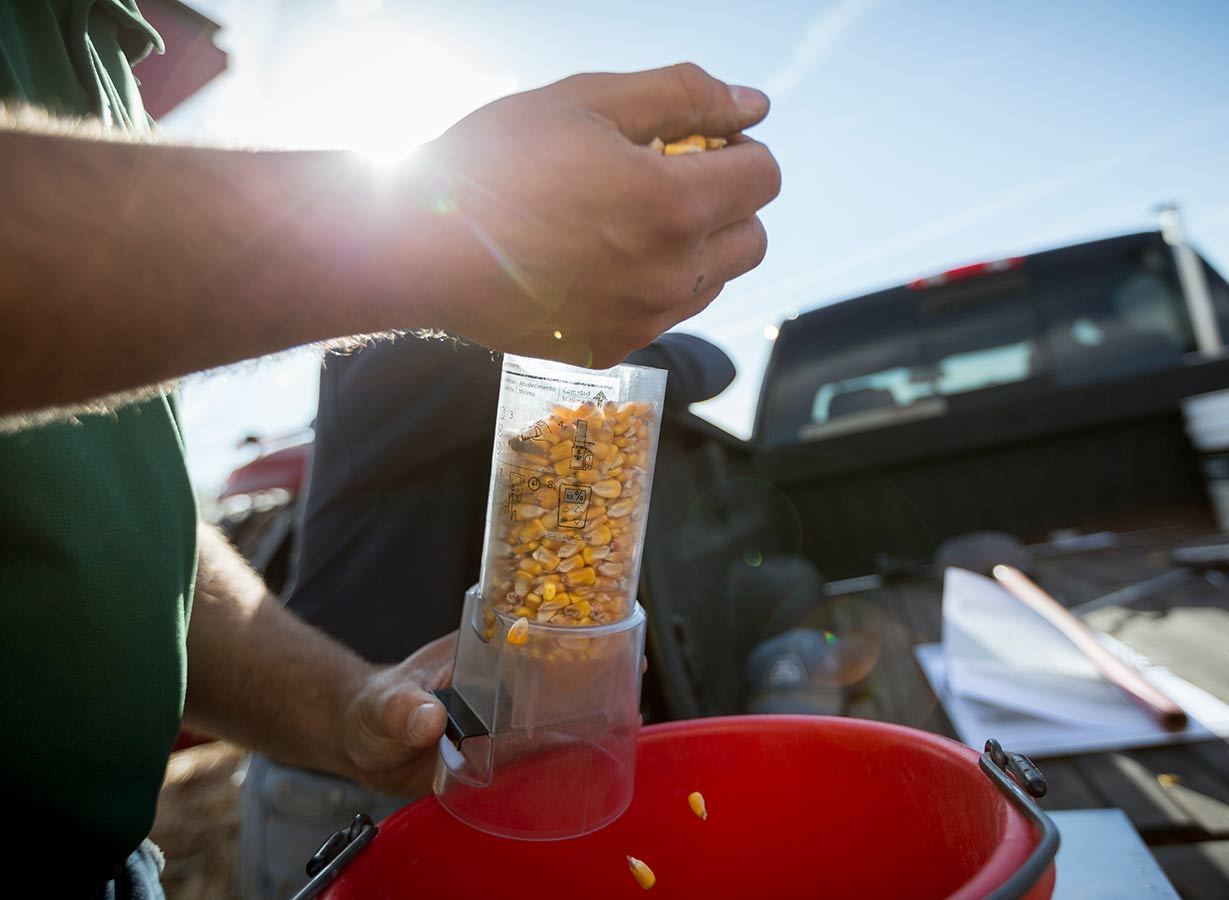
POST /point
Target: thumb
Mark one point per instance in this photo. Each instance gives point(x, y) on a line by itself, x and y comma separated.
point(674, 102)
point(414, 717)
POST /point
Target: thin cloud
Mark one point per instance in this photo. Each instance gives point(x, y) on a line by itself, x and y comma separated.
point(824, 30)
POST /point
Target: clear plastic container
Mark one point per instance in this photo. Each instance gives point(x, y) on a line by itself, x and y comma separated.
point(571, 475)
point(560, 712)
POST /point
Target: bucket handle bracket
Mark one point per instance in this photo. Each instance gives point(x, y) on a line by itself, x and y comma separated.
point(335, 854)
point(1022, 783)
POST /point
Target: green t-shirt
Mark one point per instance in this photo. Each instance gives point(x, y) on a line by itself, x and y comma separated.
point(97, 527)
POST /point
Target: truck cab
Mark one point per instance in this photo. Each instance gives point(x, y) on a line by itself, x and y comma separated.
point(1028, 395)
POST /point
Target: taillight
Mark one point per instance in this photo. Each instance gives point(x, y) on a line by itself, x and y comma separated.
point(963, 273)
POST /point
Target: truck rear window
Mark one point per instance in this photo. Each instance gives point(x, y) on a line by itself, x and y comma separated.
point(904, 353)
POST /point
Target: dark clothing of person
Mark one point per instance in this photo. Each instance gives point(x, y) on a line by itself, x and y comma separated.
point(391, 533)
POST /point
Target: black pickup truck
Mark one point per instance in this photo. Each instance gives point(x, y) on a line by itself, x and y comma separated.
point(1027, 395)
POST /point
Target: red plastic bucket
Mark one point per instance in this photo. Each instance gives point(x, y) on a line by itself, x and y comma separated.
point(799, 806)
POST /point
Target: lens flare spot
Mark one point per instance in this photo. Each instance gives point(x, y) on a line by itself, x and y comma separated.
point(753, 557)
point(558, 335)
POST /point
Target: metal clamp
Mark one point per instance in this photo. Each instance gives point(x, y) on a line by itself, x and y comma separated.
point(462, 722)
point(335, 854)
point(1015, 774)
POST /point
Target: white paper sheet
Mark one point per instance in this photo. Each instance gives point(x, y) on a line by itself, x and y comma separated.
point(1002, 671)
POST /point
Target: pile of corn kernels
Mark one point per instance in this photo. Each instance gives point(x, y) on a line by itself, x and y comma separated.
point(573, 494)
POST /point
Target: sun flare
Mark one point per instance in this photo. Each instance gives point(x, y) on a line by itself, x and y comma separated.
point(378, 89)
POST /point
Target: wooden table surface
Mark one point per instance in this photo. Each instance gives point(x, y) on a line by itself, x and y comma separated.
point(1178, 796)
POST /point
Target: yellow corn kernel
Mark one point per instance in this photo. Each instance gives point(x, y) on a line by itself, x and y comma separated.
point(553, 606)
point(608, 489)
point(527, 511)
point(525, 549)
point(533, 601)
point(532, 566)
point(582, 577)
point(602, 450)
point(596, 554)
point(714, 143)
point(563, 597)
point(578, 610)
point(488, 617)
point(488, 633)
point(549, 590)
point(600, 536)
point(606, 583)
point(611, 570)
point(570, 549)
point(533, 530)
point(548, 558)
point(696, 801)
point(693, 143)
point(523, 611)
point(643, 874)
point(571, 564)
point(519, 632)
point(563, 467)
point(523, 584)
point(562, 450)
point(657, 145)
point(619, 509)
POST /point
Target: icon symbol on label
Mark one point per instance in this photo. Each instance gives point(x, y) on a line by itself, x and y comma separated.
point(534, 483)
point(573, 505)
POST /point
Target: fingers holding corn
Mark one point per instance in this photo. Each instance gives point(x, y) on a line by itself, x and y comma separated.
point(693, 143)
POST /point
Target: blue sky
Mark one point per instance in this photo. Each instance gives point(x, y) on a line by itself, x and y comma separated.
point(913, 135)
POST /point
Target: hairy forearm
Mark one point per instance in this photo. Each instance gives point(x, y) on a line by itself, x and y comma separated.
point(260, 676)
point(128, 264)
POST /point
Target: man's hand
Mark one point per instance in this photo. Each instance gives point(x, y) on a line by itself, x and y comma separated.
point(391, 729)
point(260, 676)
point(576, 241)
point(539, 224)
